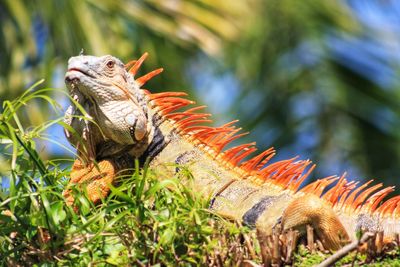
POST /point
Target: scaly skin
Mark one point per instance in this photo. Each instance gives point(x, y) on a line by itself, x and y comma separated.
point(129, 123)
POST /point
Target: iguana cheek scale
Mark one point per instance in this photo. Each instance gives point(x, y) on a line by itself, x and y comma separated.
point(130, 122)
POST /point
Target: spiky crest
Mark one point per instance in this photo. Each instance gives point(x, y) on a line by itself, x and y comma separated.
point(288, 174)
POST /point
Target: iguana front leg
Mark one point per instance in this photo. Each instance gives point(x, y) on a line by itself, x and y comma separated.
point(97, 178)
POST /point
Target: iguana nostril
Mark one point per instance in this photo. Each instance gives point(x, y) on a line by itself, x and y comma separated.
point(71, 80)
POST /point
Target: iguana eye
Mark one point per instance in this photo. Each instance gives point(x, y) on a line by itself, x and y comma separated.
point(110, 64)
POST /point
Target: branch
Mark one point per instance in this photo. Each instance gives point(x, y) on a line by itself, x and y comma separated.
point(345, 250)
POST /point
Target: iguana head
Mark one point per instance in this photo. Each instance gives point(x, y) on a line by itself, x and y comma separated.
point(100, 79)
point(113, 99)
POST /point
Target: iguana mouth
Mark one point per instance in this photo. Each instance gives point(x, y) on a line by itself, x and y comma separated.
point(71, 74)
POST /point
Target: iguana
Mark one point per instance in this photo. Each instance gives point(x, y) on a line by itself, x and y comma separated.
point(129, 123)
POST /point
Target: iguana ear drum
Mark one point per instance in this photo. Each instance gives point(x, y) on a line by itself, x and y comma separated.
point(138, 130)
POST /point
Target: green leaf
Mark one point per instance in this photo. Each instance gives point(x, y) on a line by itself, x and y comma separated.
point(57, 212)
point(167, 236)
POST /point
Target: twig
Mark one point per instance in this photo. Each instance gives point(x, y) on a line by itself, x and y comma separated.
point(379, 242)
point(264, 249)
point(276, 250)
point(291, 244)
point(249, 246)
point(310, 238)
point(345, 250)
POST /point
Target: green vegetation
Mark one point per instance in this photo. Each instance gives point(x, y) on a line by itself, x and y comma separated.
point(303, 258)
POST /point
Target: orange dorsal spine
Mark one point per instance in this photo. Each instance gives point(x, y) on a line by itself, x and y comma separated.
point(137, 64)
point(145, 78)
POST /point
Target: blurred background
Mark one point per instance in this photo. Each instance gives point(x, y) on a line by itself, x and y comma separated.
point(314, 78)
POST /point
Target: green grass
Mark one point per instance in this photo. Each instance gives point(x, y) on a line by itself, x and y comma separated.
point(142, 222)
